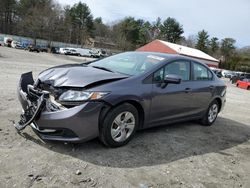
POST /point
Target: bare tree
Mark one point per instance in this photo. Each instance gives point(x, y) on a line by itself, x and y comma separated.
point(7, 14)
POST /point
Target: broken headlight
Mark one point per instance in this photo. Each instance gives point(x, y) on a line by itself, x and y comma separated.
point(74, 95)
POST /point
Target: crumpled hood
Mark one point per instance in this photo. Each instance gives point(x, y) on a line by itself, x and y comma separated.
point(76, 76)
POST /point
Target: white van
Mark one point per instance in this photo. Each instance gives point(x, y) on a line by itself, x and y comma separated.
point(83, 52)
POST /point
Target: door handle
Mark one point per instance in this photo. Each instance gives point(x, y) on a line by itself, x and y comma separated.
point(188, 90)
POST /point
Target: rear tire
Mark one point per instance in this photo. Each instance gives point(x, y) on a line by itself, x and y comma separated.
point(119, 125)
point(248, 88)
point(211, 114)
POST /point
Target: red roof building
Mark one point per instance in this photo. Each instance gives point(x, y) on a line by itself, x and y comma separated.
point(171, 48)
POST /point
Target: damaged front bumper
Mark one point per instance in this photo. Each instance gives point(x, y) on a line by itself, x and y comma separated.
point(50, 121)
point(29, 115)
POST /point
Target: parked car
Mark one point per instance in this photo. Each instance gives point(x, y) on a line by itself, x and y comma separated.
point(244, 84)
point(234, 79)
point(71, 52)
point(229, 75)
point(112, 98)
point(239, 76)
point(63, 50)
point(104, 53)
point(245, 75)
point(32, 48)
point(1, 43)
point(43, 49)
point(54, 50)
point(225, 72)
point(16, 44)
point(84, 52)
point(98, 53)
point(218, 73)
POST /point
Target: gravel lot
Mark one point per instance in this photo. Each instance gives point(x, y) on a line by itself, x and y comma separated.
point(179, 155)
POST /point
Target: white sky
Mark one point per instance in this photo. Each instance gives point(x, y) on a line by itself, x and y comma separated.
point(221, 18)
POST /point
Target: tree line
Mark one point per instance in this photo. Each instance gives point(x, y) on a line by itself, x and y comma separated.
point(46, 19)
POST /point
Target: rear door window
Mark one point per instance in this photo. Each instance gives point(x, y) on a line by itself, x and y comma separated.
point(201, 72)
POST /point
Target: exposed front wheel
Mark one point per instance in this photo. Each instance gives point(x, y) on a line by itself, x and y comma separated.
point(119, 125)
point(211, 114)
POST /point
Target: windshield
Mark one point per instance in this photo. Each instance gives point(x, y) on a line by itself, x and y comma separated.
point(130, 63)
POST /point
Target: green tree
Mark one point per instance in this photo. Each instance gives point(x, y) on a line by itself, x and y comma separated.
point(145, 33)
point(82, 21)
point(171, 30)
point(214, 46)
point(203, 41)
point(126, 33)
point(227, 51)
point(227, 46)
point(243, 64)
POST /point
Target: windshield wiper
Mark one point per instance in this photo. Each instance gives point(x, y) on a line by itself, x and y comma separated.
point(103, 68)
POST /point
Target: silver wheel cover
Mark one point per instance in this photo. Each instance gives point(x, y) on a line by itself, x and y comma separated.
point(122, 126)
point(212, 113)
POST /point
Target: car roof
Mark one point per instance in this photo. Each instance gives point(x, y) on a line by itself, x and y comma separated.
point(158, 53)
point(168, 56)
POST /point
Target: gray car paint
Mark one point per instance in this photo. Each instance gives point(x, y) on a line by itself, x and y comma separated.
point(76, 76)
point(177, 102)
point(159, 105)
point(82, 120)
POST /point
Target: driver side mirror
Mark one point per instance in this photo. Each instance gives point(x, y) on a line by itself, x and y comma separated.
point(172, 79)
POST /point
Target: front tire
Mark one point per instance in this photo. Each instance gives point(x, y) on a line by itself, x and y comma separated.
point(211, 114)
point(119, 126)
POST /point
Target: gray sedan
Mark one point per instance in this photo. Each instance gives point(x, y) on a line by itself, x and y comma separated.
point(114, 97)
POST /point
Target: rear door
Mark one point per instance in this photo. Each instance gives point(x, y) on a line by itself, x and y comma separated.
point(174, 100)
point(203, 87)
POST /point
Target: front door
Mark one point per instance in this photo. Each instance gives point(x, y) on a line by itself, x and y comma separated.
point(173, 101)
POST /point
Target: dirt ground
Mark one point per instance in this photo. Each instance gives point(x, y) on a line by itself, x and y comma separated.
point(179, 155)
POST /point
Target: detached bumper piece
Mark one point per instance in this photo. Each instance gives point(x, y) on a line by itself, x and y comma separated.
point(33, 101)
point(31, 113)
